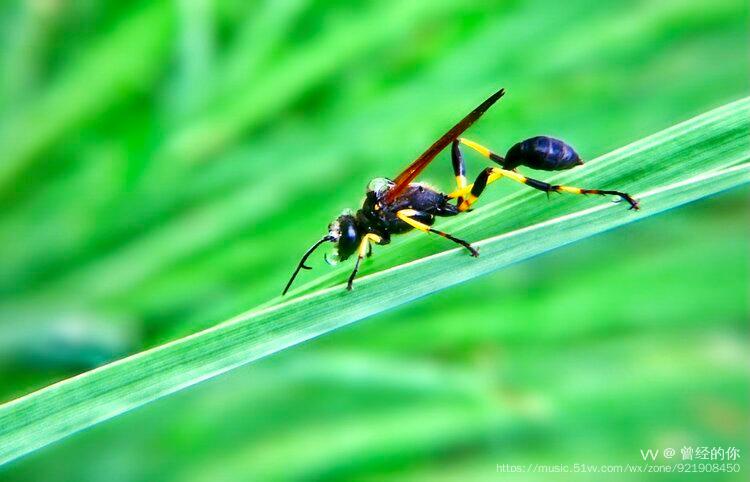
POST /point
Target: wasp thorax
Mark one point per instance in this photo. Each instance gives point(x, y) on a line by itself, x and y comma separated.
point(379, 185)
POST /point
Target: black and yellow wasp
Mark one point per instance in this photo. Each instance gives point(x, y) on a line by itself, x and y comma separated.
point(400, 205)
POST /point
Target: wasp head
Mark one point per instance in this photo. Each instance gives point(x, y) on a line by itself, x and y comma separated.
point(343, 231)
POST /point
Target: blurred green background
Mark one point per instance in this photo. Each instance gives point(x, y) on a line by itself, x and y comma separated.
point(165, 163)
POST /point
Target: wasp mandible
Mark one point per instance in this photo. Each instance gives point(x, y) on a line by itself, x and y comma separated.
point(400, 205)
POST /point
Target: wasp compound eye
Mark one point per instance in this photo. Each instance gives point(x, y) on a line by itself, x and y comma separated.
point(345, 228)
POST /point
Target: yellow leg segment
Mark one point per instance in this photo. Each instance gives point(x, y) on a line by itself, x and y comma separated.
point(488, 176)
point(405, 216)
point(459, 166)
point(364, 247)
point(481, 149)
point(460, 183)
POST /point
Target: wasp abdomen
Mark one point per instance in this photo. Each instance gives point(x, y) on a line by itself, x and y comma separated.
point(543, 153)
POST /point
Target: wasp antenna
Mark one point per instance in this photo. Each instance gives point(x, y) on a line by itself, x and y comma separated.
point(302, 264)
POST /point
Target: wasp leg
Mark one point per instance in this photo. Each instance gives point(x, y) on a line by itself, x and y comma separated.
point(482, 150)
point(364, 248)
point(459, 168)
point(405, 216)
point(546, 187)
point(471, 193)
point(460, 193)
point(492, 174)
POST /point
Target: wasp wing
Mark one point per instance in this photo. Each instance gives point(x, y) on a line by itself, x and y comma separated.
point(411, 172)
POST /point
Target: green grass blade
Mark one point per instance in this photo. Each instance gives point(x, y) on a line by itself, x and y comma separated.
point(50, 414)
